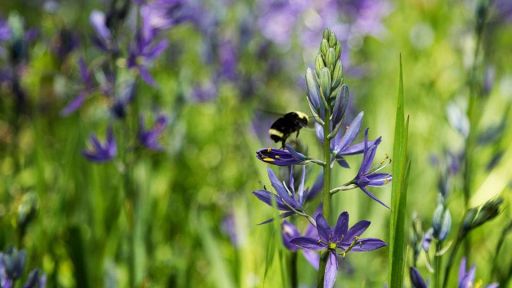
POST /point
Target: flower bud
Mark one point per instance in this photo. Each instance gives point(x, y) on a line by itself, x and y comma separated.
point(331, 58)
point(325, 34)
point(313, 93)
point(319, 64)
point(478, 216)
point(337, 77)
point(332, 39)
point(324, 46)
point(441, 222)
point(325, 82)
point(13, 261)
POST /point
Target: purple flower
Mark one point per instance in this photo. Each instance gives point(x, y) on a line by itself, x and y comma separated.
point(142, 53)
point(416, 279)
point(11, 269)
point(467, 278)
point(290, 232)
point(87, 89)
point(101, 152)
point(228, 60)
point(366, 176)
point(5, 30)
point(287, 199)
point(281, 157)
point(162, 14)
point(149, 137)
point(339, 240)
point(103, 38)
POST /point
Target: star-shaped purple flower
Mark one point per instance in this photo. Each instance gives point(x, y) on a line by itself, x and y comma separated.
point(87, 89)
point(142, 53)
point(149, 137)
point(467, 278)
point(366, 176)
point(287, 198)
point(339, 240)
point(101, 152)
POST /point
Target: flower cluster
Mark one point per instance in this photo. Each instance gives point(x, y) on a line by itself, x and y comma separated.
point(12, 264)
point(328, 99)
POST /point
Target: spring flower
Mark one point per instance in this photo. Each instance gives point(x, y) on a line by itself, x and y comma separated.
point(467, 278)
point(281, 157)
point(366, 176)
point(339, 240)
point(162, 14)
point(149, 137)
point(11, 269)
point(101, 152)
point(290, 232)
point(87, 89)
point(287, 199)
point(142, 53)
point(5, 31)
point(416, 279)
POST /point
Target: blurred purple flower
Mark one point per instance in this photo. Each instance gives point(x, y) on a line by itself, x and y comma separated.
point(65, 42)
point(228, 227)
point(149, 137)
point(103, 37)
point(467, 278)
point(5, 31)
point(101, 152)
point(340, 238)
point(87, 89)
point(228, 60)
point(366, 176)
point(290, 232)
point(502, 10)
point(12, 265)
point(142, 53)
point(281, 157)
point(163, 14)
point(205, 92)
point(278, 18)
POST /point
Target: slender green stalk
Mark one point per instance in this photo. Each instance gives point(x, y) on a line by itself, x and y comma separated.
point(438, 264)
point(326, 194)
point(294, 279)
point(451, 258)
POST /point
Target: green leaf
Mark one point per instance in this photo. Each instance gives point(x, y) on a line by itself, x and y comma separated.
point(401, 167)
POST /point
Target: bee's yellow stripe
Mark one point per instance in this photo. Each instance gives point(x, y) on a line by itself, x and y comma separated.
point(275, 132)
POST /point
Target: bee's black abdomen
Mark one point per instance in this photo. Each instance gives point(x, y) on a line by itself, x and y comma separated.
point(283, 127)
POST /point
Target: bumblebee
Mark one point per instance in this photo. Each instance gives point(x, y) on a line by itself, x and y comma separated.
point(289, 123)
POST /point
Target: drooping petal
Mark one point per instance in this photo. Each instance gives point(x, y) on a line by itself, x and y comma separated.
point(308, 243)
point(372, 196)
point(342, 162)
point(379, 179)
point(146, 76)
point(267, 197)
point(341, 228)
point(156, 49)
point(300, 191)
point(331, 269)
point(356, 231)
point(324, 231)
point(281, 191)
point(312, 257)
point(368, 244)
point(416, 279)
point(73, 105)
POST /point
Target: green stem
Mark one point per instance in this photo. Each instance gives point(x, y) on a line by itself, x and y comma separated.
point(437, 265)
point(293, 270)
point(451, 258)
point(326, 194)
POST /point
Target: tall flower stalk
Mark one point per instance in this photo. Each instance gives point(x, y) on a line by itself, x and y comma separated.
point(328, 99)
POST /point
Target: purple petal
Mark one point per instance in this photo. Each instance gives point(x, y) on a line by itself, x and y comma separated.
point(156, 50)
point(73, 105)
point(331, 269)
point(324, 231)
point(300, 191)
point(340, 106)
point(341, 228)
point(342, 162)
point(368, 244)
point(289, 232)
point(311, 232)
point(378, 179)
point(356, 231)
point(308, 243)
point(354, 149)
point(312, 257)
point(267, 196)
point(350, 133)
point(146, 76)
point(98, 22)
point(281, 190)
point(373, 196)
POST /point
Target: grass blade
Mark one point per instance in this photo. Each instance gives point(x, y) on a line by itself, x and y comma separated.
point(401, 167)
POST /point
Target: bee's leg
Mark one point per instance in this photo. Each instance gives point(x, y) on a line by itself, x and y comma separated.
point(283, 143)
point(297, 133)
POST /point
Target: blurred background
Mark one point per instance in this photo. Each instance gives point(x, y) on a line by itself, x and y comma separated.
point(182, 94)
